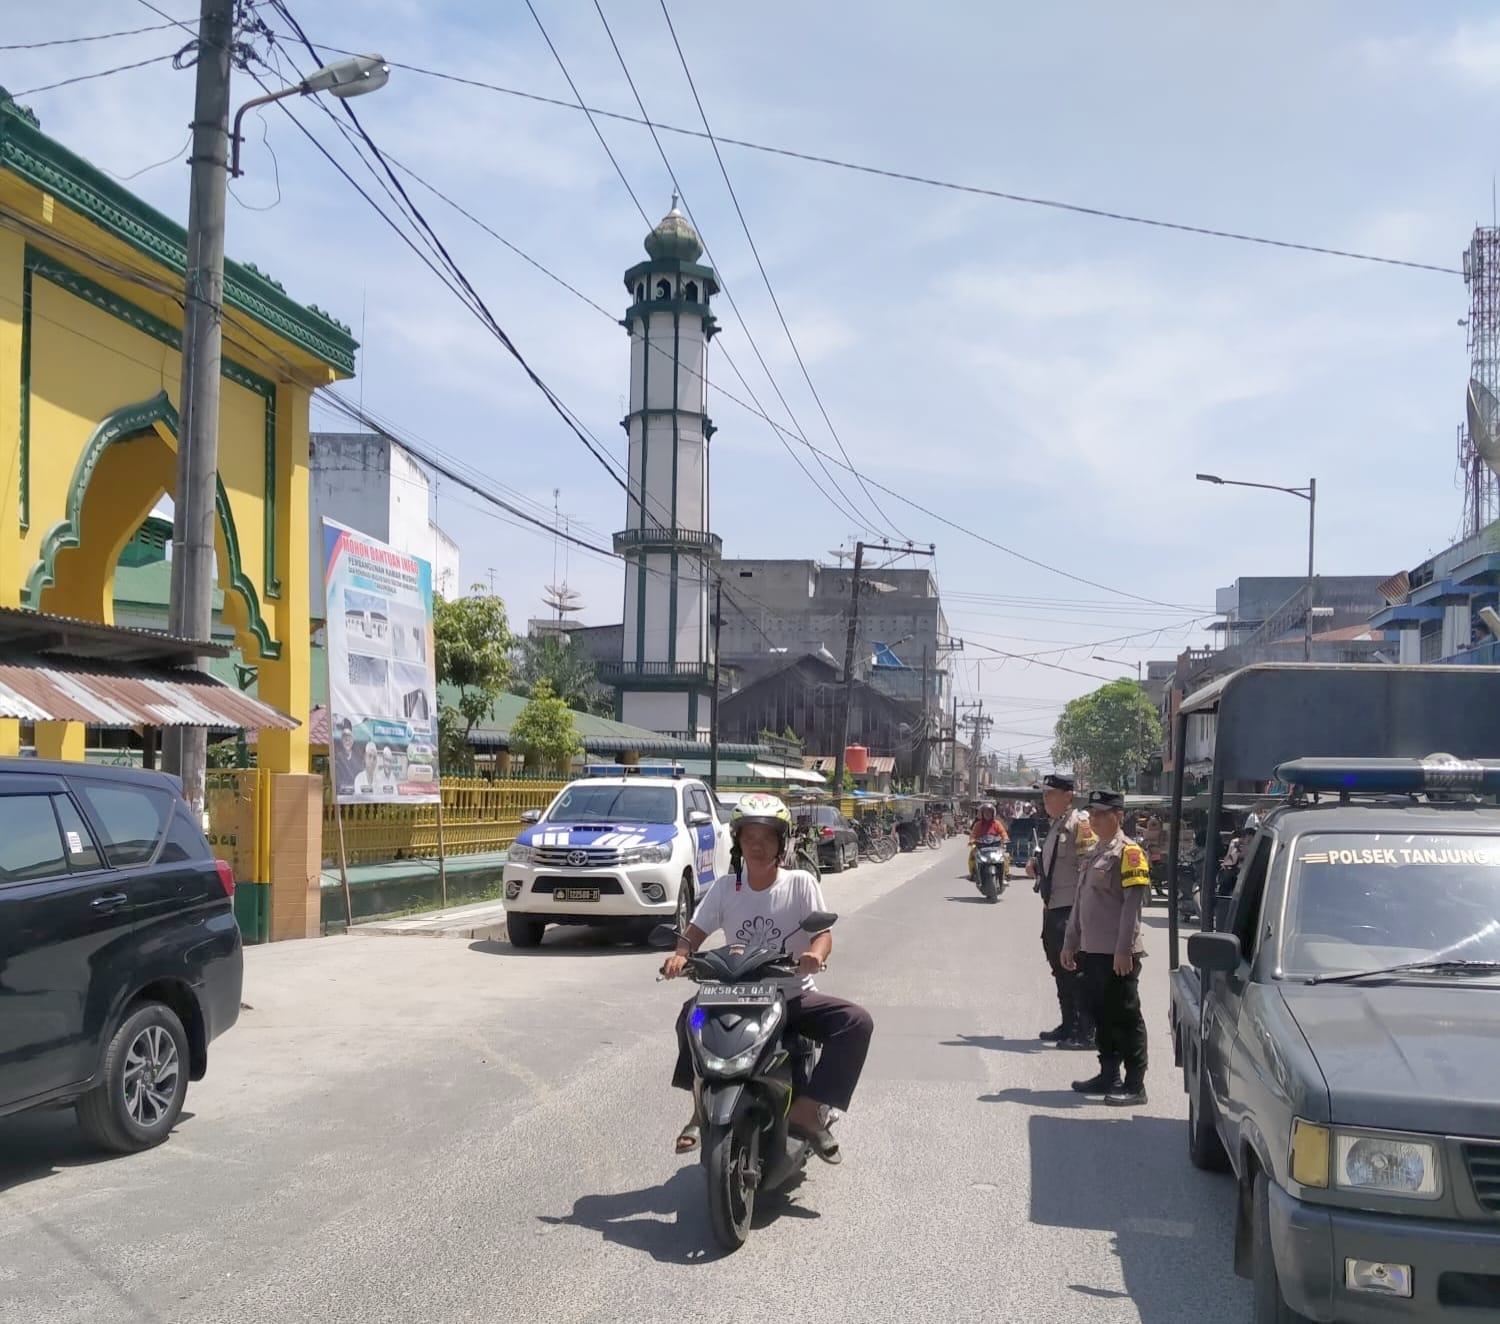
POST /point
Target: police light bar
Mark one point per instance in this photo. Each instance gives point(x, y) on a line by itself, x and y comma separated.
point(1436, 772)
point(634, 770)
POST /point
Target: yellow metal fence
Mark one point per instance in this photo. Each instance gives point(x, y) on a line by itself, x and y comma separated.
point(478, 815)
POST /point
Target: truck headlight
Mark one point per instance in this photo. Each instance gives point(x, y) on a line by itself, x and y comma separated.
point(1382, 1163)
point(517, 854)
point(657, 853)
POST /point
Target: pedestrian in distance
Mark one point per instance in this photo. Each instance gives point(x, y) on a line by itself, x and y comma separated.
point(1069, 840)
point(1103, 942)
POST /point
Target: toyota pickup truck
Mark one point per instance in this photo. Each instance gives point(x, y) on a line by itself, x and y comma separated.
point(1338, 1029)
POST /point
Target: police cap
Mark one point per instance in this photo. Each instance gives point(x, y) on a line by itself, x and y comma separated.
point(1106, 800)
point(1055, 781)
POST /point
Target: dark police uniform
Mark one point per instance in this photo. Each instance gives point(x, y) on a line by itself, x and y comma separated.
point(1064, 851)
point(1106, 922)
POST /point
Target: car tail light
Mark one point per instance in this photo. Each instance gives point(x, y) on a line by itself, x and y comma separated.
point(828, 832)
point(226, 877)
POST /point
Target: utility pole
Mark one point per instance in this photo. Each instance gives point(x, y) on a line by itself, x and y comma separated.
point(191, 611)
point(713, 698)
point(968, 721)
point(925, 755)
point(849, 642)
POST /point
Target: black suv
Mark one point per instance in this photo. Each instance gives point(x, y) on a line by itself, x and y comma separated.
point(120, 957)
point(838, 843)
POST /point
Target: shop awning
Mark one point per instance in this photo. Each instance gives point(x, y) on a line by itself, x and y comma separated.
point(782, 773)
point(41, 688)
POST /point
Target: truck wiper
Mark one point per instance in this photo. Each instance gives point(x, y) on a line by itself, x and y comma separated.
point(1450, 966)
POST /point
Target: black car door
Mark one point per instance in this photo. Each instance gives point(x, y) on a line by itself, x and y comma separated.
point(59, 907)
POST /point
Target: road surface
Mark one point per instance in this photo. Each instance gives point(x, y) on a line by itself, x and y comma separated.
point(427, 1129)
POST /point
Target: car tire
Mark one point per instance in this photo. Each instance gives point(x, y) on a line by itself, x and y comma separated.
point(1270, 1306)
point(836, 862)
point(143, 1082)
point(854, 855)
point(1205, 1150)
point(684, 913)
point(523, 931)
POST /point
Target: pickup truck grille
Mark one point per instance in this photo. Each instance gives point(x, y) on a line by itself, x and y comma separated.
point(593, 857)
point(1484, 1172)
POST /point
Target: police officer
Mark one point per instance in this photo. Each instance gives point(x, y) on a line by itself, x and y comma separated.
point(1069, 840)
point(1103, 942)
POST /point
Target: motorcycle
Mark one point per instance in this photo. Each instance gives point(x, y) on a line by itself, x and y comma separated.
point(989, 867)
point(744, 1065)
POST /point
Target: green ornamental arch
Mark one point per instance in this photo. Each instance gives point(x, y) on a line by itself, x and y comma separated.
point(129, 421)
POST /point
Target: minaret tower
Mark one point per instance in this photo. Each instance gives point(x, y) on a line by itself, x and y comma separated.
point(666, 663)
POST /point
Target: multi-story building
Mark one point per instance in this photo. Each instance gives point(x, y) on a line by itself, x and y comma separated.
point(1434, 609)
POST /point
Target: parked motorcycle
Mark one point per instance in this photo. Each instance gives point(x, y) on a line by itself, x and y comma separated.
point(990, 867)
point(744, 1064)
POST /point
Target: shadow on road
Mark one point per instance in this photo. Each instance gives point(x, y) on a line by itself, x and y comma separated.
point(998, 1043)
point(1036, 1098)
point(1130, 1177)
point(667, 1222)
point(975, 900)
point(35, 1145)
point(563, 942)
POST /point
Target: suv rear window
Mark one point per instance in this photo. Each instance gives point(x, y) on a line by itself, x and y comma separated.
point(131, 818)
point(30, 844)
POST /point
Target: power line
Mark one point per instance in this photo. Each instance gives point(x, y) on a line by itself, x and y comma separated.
point(98, 73)
point(755, 252)
point(97, 36)
point(1082, 209)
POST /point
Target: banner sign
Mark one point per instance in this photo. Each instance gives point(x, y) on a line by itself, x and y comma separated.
point(382, 679)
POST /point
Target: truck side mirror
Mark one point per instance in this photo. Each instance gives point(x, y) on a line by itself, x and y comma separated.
point(698, 818)
point(1214, 951)
point(531, 815)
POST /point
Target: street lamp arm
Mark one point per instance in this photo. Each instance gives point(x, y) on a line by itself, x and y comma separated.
point(239, 115)
point(353, 77)
point(1302, 492)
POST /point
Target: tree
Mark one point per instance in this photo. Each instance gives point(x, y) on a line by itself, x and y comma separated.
point(473, 647)
point(1108, 734)
point(543, 730)
point(573, 677)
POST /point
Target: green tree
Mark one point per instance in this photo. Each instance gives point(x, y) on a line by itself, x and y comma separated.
point(1108, 734)
point(473, 645)
point(573, 677)
point(543, 730)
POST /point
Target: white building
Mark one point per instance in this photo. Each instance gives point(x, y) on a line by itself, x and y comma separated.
point(370, 483)
point(664, 669)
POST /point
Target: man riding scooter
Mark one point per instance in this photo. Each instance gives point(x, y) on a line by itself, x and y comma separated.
point(988, 824)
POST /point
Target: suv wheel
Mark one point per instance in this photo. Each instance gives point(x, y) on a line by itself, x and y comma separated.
point(143, 1084)
point(523, 931)
point(684, 915)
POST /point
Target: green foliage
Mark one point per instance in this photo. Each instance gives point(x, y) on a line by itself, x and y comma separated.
point(1108, 734)
point(543, 730)
point(473, 654)
point(572, 677)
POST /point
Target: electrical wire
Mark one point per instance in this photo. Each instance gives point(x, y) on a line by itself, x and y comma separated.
point(755, 252)
point(97, 73)
point(74, 41)
point(1082, 209)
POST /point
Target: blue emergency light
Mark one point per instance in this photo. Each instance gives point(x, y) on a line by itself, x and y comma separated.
point(1436, 772)
point(634, 770)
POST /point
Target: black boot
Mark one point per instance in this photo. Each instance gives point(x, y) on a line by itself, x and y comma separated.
point(1129, 1094)
point(1107, 1079)
point(1055, 1036)
point(1081, 1038)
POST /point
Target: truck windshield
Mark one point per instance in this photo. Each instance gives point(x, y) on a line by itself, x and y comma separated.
point(616, 804)
point(1358, 901)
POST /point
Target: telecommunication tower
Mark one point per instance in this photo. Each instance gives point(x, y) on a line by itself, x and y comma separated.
point(1482, 276)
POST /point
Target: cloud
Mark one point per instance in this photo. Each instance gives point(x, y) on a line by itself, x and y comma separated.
point(1469, 55)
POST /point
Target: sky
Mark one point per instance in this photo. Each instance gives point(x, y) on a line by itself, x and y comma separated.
point(1047, 381)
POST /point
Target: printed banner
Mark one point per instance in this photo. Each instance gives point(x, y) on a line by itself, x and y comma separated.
point(382, 679)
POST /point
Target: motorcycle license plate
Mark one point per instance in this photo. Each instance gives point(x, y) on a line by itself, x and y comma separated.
point(577, 894)
point(737, 995)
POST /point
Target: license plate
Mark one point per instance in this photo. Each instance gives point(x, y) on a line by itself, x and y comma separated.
point(576, 894)
point(737, 995)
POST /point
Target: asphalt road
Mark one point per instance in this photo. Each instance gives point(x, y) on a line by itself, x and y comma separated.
point(419, 1129)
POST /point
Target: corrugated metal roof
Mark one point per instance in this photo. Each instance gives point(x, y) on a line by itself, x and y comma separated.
point(122, 694)
point(42, 632)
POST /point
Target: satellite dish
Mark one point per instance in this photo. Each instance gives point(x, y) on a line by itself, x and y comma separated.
point(1484, 423)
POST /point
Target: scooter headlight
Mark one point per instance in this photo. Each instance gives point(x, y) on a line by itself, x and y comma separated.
point(741, 1062)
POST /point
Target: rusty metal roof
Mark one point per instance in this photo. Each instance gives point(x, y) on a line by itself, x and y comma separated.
point(42, 632)
point(126, 694)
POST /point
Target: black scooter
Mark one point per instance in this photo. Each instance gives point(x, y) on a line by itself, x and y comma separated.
point(744, 1063)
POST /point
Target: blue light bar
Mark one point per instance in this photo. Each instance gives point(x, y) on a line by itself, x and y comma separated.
point(634, 770)
point(1436, 772)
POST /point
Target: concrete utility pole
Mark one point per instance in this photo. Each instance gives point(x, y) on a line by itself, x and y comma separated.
point(191, 611)
point(925, 755)
point(713, 698)
point(848, 696)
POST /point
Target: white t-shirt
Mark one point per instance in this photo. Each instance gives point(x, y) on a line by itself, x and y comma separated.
point(749, 918)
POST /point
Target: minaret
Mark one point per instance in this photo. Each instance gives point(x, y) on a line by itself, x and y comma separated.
point(663, 674)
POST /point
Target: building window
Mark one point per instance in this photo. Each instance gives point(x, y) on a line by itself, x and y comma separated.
point(663, 289)
point(640, 292)
point(690, 291)
point(1432, 644)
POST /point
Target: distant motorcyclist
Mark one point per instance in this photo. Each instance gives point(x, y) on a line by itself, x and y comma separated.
point(988, 824)
point(758, 902)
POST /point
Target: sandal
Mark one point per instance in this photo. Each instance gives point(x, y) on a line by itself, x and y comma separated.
point(688, 1138)
point(822, 1142)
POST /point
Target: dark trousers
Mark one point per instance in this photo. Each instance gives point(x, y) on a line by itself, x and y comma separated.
point(842, 1028)
point(1077, 1019)
point(1115, 1001)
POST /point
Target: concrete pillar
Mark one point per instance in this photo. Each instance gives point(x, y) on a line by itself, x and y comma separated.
point(60, 740)
point(296, 861)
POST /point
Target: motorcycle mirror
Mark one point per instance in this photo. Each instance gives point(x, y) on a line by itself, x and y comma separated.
point(818, 921)
point(663, 936)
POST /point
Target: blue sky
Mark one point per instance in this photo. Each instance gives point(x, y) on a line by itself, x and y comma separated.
point(1050, 380)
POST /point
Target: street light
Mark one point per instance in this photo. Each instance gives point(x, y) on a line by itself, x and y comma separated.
point(1308, 494)
point(1141, 733)
point(352, 77)
point(1113, 660)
